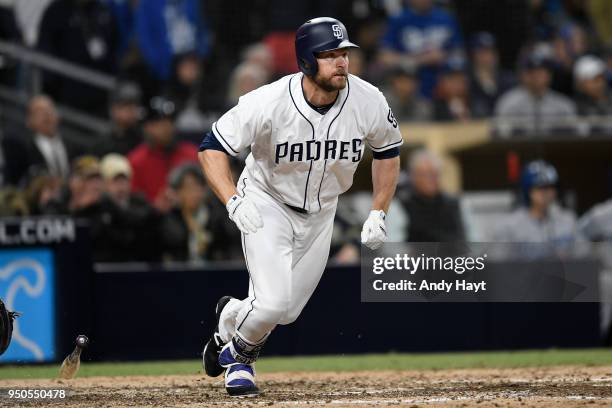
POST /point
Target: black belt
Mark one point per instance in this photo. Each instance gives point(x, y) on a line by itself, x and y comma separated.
point(297, 209)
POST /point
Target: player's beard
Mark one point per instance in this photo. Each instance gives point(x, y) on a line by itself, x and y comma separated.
point(328, 85)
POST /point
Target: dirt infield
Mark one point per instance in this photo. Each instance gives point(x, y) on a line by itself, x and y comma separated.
point(537, 387)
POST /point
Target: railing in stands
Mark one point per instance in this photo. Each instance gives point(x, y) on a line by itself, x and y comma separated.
point(32, 63)
point(56, 65)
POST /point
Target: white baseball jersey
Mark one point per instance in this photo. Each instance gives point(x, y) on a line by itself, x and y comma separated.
point(299, 156)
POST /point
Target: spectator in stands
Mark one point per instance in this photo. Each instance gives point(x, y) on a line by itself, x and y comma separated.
point(155, 158)
point(40, 190)
point(570, 43)
point(168, 28)
point(82, 192)
point(43, 147)
point(125, 113)
point(434, 216)
point(451, 97)
point(184, 91)
point(117, 174)
point(403, 95)
point(423, 35)
point(13, 203)
point(245, 78)
point(82, 32)
point(182, 87)
point(183, 230)
point(259, 54)
point(540, 219)
point(593, 98)
point(487, 80)
point(135, 224)
point(533, 100)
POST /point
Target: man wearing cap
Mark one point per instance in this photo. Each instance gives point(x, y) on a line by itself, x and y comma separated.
point(487, 80)
point(540, 218)
point(533, 100)
point(125, 113)
point(117, 175)
point(452, 94)
point(404, 97)
point(593, 97)
point(132, 223)
point(153, 159)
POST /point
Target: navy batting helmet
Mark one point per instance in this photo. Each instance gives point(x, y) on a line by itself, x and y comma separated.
point(537, 173)
point(319, 35)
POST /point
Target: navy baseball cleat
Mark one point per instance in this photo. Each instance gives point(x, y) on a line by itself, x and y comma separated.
point(210, 355)
point(239, 377)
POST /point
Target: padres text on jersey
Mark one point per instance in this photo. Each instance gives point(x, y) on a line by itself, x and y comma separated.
point(303, 158)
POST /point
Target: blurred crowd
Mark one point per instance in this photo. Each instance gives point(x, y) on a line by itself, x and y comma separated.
point(442, 60)
point(146, 201)
point(180, 64)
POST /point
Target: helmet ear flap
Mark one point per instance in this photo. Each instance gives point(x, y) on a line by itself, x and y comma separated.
point(307, 67)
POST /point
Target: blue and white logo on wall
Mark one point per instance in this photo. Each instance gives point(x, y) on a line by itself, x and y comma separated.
point(27, 280)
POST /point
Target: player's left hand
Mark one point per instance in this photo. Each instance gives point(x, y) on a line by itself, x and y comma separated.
point(374, 232)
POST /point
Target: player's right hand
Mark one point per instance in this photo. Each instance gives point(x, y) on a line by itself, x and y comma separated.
point(244, 213)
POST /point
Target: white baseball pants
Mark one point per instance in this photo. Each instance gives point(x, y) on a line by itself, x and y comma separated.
point(285, 259)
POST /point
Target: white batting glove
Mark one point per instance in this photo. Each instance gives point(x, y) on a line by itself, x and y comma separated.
point(244, 213)
point(374, 232)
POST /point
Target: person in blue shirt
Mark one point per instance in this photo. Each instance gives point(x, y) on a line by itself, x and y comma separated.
point(424, 35)
point(166, 28)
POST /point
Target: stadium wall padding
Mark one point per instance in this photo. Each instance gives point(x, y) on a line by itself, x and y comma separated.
point(155, 312)
point(169, 314)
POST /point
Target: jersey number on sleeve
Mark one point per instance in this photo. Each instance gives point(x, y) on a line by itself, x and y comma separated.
point(391, 118)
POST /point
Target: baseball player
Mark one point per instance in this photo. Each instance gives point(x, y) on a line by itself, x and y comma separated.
point(307, 133)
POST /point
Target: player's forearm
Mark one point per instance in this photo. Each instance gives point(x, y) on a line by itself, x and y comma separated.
point(384, 179)
point(216, 167)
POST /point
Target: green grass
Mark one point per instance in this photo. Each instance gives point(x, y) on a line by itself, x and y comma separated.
point(392, 361)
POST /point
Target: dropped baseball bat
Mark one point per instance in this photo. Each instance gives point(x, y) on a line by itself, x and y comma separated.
point(70, 365)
